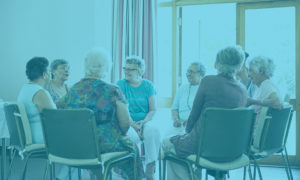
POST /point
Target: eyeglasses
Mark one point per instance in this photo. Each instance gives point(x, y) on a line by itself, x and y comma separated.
point(65, 68)
point(129, 69)
point(192, 72)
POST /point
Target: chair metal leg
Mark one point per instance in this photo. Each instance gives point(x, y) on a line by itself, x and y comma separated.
point(254, 171)
point(134, 168)
point(11, 163)
point(249, 172)
point(164, 169)
point(191, 171)
point(159, 164)
point(244, 177)
point(70, 173)
point(289, 173)
point(46, 171)
point(25, 167)
point(3, 159)
point(258, 169)
point(206, 175)
point(79, 173)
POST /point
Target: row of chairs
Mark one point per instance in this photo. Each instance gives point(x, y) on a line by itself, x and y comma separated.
point(226, 141)
point(70, 139)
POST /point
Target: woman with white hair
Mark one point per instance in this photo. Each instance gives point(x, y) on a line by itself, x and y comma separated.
point(261, 70)
point(109, 105)
point(221, 91)
point(140, 95)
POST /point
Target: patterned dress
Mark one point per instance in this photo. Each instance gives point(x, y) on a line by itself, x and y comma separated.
point(101, 98)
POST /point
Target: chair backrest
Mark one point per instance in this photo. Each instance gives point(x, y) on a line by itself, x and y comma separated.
point(225, 134)
point(18, 125)
point(70, 134)
point(272, 129)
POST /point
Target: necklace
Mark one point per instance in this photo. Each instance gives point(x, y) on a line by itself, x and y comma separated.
point(188, 99)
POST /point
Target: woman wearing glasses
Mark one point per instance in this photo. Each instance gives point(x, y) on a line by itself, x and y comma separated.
point(183, 102)
point(140, 95)
point(59, 75)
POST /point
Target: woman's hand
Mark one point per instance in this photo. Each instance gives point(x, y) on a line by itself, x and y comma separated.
point(177, 123)
point(139, 129)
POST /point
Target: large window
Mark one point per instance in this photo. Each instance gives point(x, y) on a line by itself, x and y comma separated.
point(163, 66)
point(205, 30)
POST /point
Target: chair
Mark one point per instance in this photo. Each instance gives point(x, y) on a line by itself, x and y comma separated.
point(71, 139)
point(270, 137)
point(224, 140)
point(20, 136)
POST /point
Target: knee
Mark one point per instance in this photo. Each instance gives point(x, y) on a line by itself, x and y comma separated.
point(151, 132)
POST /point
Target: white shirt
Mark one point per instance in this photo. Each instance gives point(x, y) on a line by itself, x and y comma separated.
point(184, 100)
point(266, 88)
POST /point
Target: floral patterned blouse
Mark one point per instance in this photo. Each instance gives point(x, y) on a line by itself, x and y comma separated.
point(101, 98)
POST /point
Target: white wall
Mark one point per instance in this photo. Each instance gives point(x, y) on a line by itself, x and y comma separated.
point(53, 29)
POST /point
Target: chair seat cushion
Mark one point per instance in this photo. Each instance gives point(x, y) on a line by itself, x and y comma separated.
point(224, 166)
point(86, 162)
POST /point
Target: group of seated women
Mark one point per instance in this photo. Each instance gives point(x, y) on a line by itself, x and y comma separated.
point(124, 112)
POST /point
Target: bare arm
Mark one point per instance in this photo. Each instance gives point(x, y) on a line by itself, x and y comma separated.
point(152, 109)
point(123, 116)
point(42, 101)
point(271, 101)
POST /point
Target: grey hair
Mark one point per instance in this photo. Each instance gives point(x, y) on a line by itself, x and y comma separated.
point(97, 63)
point(266, 64)
point(138, 61)
point(200, 67)
point(229, 60)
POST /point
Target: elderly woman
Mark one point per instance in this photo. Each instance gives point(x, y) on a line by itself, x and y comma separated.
point(261, 70)
point(220, 90)
point(140, 95)
point(59, 75)
point(34, 97)
point(107, 102)
point(184, 98)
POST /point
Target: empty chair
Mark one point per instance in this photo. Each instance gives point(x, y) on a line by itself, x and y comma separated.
point(271, 135)
point(223, 144)
point(71, 139)
point(20, 136)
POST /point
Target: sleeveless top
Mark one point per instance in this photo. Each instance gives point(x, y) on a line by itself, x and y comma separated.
point(26, 95)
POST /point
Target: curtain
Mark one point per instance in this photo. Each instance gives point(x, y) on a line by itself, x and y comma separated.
point(134, 33)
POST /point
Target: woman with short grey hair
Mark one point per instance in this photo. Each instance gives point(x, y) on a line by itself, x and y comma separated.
point(229, 60)
point(140, 94)
point(97, 63)
point(261, 70)
point(109, 106)
point(221, 90)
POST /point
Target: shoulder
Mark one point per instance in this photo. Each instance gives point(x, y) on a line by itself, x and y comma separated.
point(209, 79)
point(42, 94)
point(121, 82)
point(147, 83)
